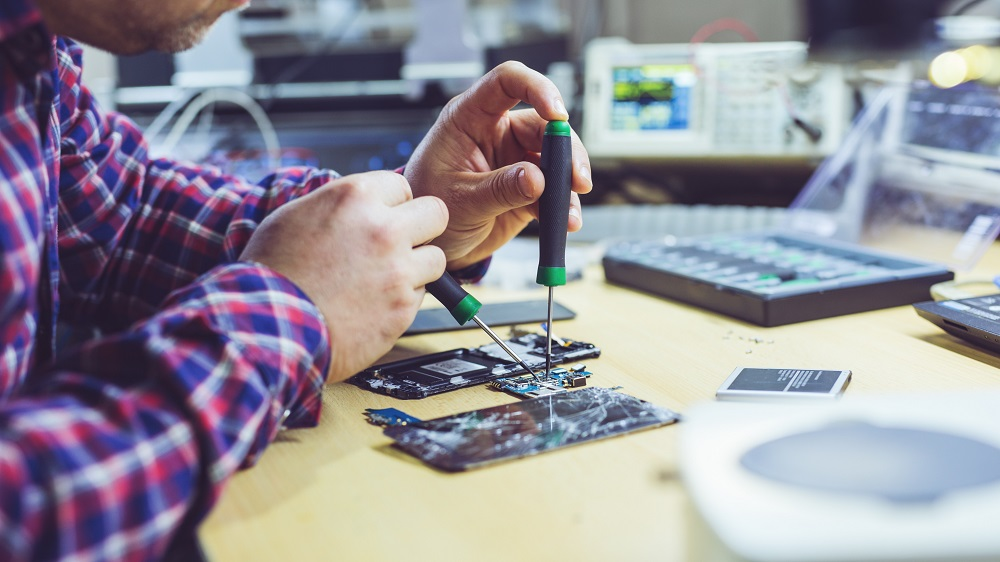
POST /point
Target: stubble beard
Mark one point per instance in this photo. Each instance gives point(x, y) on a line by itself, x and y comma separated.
point(184, 37)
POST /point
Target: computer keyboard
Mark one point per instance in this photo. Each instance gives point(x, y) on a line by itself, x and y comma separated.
point(771, 278)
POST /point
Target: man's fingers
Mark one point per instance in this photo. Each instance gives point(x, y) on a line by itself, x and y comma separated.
point(506, 189)
point(529, 130)
point(390, 188)
point(582, 180)
point(512, 82)
point(575, 222)
point(423, 218)
point(428, 264)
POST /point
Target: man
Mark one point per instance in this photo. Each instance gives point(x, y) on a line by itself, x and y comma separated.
point(223, 305)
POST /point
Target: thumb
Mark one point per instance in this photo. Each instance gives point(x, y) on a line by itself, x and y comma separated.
point(508, 188)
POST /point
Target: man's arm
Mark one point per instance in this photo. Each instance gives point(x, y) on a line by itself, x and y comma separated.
point(129, 438)
point(123, 441)
point(131, 229)
point(116, 446)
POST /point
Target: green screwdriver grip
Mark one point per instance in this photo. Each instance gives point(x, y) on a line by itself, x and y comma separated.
point(459, 303)
point(553, 206)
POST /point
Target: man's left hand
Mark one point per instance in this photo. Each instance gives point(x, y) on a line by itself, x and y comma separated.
point(481, 158)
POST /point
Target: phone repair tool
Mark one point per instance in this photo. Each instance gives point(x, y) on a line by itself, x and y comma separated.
point(463, 307)
point(553, 215)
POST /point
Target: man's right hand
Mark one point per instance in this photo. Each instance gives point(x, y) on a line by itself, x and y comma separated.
point(356, 247)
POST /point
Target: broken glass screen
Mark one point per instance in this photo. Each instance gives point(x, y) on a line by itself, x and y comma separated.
point(529, 427)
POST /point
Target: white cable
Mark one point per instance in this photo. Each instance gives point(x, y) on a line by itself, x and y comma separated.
point(168, 113)
point(236, 97)
point(205, 123)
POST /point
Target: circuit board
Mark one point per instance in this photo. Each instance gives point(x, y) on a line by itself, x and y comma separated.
point(388, 417)
point(556, 381)
point(426, 375)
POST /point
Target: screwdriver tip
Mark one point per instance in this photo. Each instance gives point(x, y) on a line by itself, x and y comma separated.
point(527, 368)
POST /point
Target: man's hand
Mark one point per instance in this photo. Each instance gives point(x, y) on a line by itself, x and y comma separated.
point(356, 247)
point(481, 158)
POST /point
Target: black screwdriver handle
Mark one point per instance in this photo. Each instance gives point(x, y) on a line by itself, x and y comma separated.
point(459, 303)
point(553, 207)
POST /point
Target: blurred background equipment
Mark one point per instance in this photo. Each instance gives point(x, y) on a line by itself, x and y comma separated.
point(309, 49)
point(854, 30)
point(350, 85)
point(713, 105)
point(717, 101)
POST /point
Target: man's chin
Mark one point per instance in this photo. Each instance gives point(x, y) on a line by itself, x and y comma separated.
point(183, 39)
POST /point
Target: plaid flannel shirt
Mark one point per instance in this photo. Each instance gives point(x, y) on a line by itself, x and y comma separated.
point(111, 449)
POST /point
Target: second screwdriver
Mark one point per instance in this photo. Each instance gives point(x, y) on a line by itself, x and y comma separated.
point(463, 307)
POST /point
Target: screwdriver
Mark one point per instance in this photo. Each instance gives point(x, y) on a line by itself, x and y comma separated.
point(463, 307)
point(553, 215)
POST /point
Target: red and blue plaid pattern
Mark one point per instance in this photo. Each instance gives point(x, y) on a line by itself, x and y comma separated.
point(110, 449)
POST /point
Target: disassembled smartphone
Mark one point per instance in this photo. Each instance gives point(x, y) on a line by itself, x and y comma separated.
point(748, 383)
point(528, 427)
point(426, 375)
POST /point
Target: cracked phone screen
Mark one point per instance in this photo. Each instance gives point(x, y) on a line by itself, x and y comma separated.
point(480, 437)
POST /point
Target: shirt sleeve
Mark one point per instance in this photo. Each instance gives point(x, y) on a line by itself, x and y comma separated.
point(132, 229)
point(116, 446)
point(127, 439)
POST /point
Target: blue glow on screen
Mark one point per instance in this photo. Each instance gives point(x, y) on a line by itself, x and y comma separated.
point(652, 97)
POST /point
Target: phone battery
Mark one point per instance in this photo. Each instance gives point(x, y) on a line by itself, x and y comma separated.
point(749, 383)
point(426, 375)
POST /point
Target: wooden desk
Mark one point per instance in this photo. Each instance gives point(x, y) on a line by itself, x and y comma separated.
point(340, 492)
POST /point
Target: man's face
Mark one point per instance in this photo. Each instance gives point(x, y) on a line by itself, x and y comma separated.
point(134, 26)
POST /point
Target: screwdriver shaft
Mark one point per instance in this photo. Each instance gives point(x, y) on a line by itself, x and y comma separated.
point(556, 162)
point(504, 346)
point(548, 336)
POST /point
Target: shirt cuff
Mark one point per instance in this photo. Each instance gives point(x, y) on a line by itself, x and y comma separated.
point(276, 327)
point(472, 273)
point(294, 322)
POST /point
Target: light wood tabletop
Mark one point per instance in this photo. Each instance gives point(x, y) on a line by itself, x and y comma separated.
point(340, 491)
